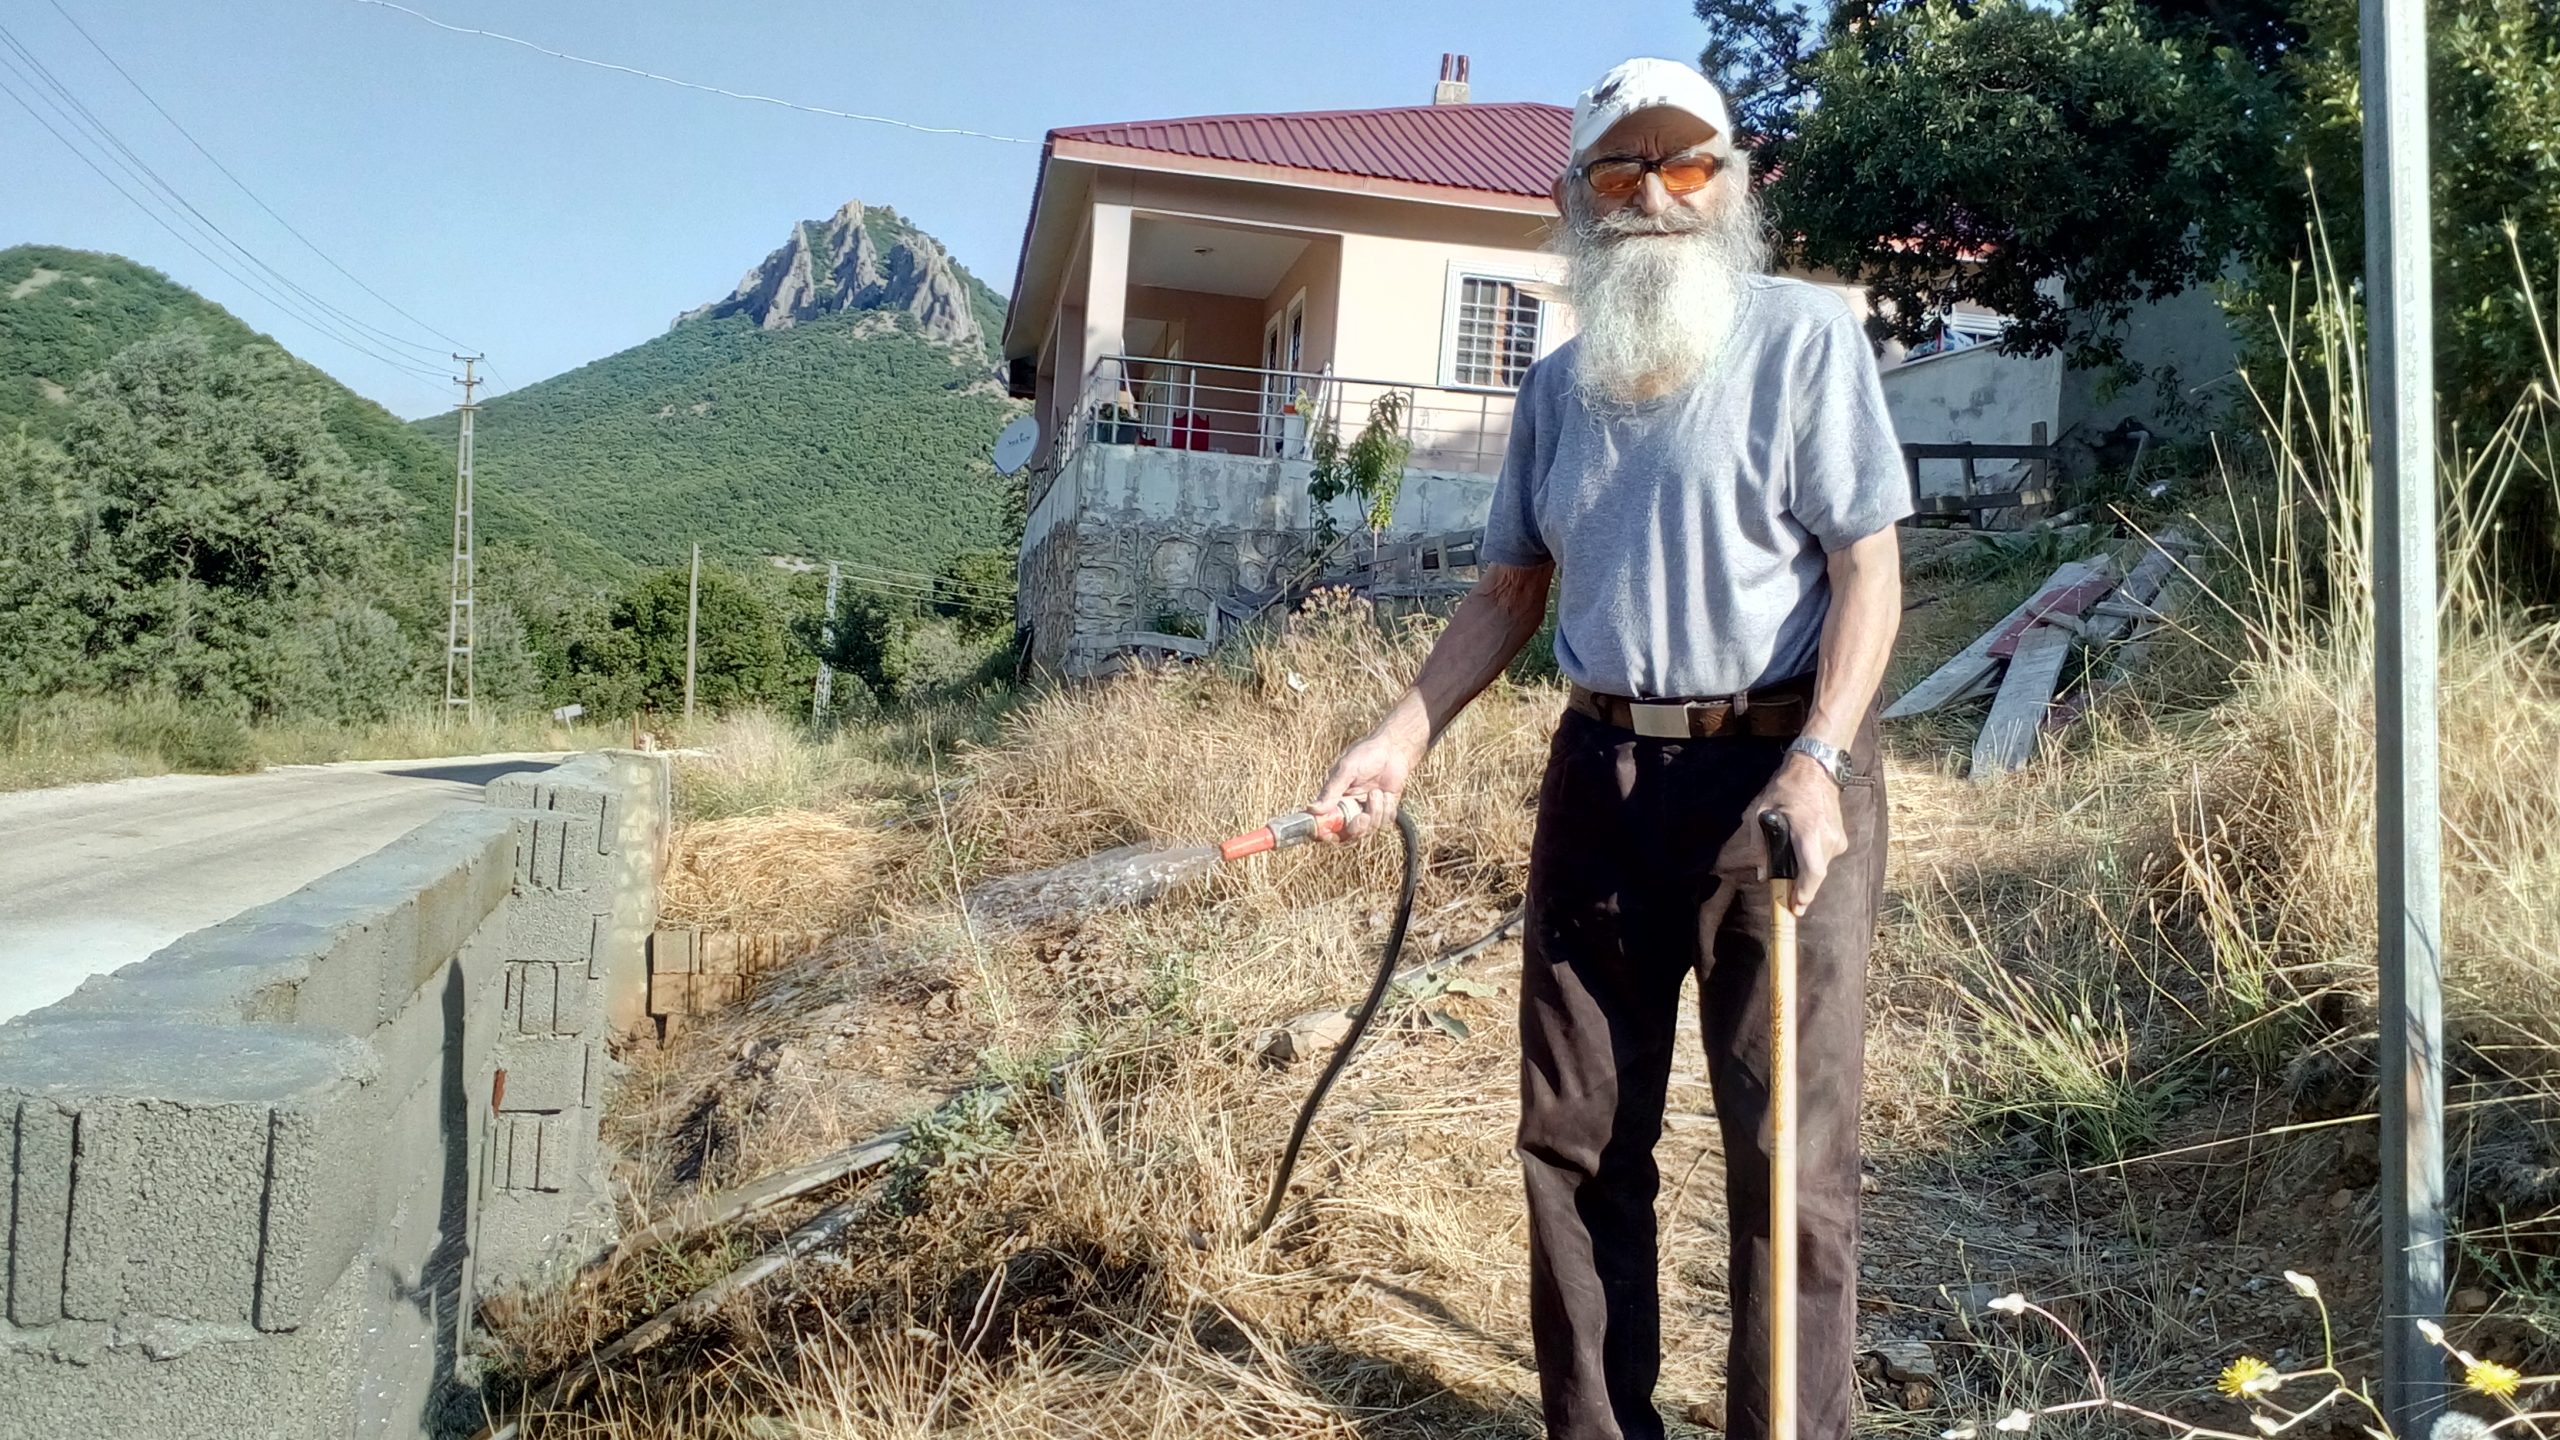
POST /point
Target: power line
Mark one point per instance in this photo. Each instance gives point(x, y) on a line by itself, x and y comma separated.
point(84, 121)
point(693, 85)
point(147, 210)
point(243, 185)
point(78, 113)
point(932, 584)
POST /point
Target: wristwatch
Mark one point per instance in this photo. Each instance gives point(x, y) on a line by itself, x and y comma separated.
point(1833, 760)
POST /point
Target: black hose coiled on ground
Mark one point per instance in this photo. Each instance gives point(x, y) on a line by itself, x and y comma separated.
point(1360, 1018)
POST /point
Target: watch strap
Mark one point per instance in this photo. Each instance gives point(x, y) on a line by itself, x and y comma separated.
point(1833, 760)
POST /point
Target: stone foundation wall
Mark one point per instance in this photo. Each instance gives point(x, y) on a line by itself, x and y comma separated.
point(1133, 539)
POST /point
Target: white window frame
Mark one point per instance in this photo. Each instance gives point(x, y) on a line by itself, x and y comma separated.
point(1538, 287)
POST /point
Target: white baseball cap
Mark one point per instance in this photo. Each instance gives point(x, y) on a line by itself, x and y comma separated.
point(1648, 84)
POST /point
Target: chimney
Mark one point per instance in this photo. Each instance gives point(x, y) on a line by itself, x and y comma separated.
point(1453, 86)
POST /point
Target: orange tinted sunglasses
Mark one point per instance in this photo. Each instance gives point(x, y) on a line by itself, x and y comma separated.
point(1621, 176)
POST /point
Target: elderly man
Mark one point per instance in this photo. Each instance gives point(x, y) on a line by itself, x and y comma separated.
point(1707, 478)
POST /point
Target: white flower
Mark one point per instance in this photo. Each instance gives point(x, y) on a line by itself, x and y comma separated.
point(1961, 1432)
point(2012, 1304)
point(2433, 1331)
point(2303, 1285)
point(2454, 1425)
point(2015, 1420)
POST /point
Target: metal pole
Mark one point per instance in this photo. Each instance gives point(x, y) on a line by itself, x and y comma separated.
point(692, 610)
point(826, 647)
point(461, 621)
point(2409, 957)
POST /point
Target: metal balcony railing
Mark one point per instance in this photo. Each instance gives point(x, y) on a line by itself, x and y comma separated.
point(1242, 410)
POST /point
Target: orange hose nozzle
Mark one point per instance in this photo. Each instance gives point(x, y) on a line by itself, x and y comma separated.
point(1295, 828)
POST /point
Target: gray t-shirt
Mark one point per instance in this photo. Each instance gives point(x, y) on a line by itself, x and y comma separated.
point(1689, 530)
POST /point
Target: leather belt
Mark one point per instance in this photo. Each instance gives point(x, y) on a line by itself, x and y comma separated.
point(1774, 712)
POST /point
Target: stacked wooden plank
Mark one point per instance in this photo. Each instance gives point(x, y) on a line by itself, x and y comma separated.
point(2093, 604)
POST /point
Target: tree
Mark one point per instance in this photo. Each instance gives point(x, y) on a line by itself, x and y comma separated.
point(2057, 168)
point(745, 654)
point(1756, 53)
point(2059, 165)
point(874, 641)
point(975, 589)
point(220, 503)
point(52, 582)
point(2494, 140)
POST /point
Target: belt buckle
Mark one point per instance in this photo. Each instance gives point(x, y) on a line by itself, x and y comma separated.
point(1659, 720)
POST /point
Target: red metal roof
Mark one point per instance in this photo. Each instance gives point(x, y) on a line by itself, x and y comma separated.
point(1509, 148)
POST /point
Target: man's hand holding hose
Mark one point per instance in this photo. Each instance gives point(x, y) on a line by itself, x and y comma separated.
point(1373, 772)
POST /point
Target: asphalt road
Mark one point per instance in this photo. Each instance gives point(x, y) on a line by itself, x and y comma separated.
point(94, 877)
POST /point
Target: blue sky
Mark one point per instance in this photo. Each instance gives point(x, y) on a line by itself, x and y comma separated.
point(550, 214)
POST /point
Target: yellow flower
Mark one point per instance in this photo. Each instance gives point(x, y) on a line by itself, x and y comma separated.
point(2491, 1378)
point(2248, 1375)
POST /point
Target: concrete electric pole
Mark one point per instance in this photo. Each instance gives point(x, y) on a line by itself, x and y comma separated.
point(692, 610)
point(462, 626)
point(826, 647)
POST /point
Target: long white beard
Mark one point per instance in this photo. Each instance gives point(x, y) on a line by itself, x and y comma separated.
point(1654, 296)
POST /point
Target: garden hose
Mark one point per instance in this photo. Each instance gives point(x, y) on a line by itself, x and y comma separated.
point(1388, 954)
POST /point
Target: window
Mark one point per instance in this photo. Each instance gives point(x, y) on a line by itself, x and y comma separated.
point(1494, 334)
point(1958, 330)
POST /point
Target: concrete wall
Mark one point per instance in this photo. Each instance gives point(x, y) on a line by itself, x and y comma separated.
point(2188, 356)
point(252, 1185)
point(1129, 531)
point(1974, 397)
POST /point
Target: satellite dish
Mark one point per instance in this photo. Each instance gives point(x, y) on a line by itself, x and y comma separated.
point(1014, 446)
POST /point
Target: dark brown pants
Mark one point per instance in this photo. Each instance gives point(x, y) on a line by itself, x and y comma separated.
point(1623, 903)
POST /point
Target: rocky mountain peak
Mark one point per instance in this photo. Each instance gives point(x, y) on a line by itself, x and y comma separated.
point(862, 258)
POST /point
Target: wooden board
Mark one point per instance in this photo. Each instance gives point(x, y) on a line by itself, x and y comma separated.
point(2008, 738)
point(1951, 681)
point(2057, 603)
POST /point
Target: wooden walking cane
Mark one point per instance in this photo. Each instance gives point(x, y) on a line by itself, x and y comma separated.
point(1782, 1123)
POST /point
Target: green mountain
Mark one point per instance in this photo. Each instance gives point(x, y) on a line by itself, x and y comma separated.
point(838, 403)
point(64, 313)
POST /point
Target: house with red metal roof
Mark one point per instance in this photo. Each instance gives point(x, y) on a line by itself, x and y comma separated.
point(1201, 304)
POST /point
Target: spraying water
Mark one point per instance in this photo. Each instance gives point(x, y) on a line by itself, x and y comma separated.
point(1114, 879)
point(1138, 874)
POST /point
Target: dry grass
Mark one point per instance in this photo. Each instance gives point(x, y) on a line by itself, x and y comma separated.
point(780, 870)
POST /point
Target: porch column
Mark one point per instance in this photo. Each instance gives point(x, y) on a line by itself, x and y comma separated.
point(1106, 291)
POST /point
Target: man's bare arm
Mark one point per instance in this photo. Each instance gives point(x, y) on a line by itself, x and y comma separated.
point(1498, 618)
point(1857, 637)
point(1857, 640)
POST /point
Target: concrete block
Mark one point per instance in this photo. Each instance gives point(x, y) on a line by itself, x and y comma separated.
point(217, 1172)
point(561, 854)
point(39, 1210)
point(674, 952)
point(535, 1151)
point(670, 993)
point(167, 1209)
point(562, 1162)
point(264, 967)
point(548, 1074)
point(533, 998)
point(343, 952)
point(182, 1380)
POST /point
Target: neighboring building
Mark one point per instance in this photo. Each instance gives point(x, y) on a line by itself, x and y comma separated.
point(1195, 297)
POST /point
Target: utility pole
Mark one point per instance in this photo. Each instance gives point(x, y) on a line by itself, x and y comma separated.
point(462, 624)
point(2399, 301)
point(692, 611)
point(826, 647)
